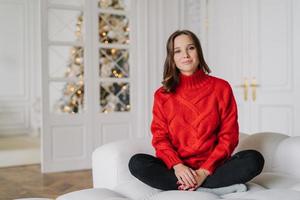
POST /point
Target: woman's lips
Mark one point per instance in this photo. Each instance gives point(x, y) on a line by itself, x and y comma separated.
point(186, 62)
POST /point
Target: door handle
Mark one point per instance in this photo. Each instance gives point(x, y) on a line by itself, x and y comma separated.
point(254, 85)
point(245, 85)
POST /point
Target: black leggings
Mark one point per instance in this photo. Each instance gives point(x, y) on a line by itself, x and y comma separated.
point(240, 168)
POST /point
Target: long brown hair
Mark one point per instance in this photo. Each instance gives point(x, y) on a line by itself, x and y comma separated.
point(171, 72)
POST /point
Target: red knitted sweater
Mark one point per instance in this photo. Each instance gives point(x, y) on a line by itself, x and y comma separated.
point(197, 125)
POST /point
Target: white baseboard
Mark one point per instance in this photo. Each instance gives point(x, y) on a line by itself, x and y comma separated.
point(21, 150)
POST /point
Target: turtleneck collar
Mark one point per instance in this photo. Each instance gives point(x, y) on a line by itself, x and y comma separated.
point(196, 80)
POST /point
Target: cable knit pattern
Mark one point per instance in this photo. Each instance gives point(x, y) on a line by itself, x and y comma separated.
point(197, 125)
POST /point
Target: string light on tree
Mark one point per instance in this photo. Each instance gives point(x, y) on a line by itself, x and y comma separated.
point(112, 29)
point(73, 92)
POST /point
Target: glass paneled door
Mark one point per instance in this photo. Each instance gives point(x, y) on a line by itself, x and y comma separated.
point(87, 79)
point(116, 74)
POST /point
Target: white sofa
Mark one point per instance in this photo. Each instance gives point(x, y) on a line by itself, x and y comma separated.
point(280, 179)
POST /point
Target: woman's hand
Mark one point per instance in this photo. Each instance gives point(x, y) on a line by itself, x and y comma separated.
point(201, 175)
point(185, 175)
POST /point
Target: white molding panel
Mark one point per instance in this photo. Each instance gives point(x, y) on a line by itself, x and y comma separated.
point(277, 118)
point(274, 44)
point(18, 64)
point(115, 131)
point(68, 143)
point(13, 61)
point(225, 17)
point(243, 119)
point(14, 120)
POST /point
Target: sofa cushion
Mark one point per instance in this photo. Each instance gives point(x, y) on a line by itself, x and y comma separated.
point(296, 187)
point(34, 199)
point(270, 194)
point(114, 170)
point(265, 143)
point(186, 195)
point(93, 194)
point(286, 159)
point(135, 189)
point(272, 180)
point(274, 194)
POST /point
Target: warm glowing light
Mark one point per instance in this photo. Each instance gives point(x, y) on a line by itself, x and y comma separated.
point(78, 60)
point(67, 109)
point(113, 51)
point(78, 33)
point(72, 89)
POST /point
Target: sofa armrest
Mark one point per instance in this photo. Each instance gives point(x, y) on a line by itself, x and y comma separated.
point(266, 143)
point(110, 161)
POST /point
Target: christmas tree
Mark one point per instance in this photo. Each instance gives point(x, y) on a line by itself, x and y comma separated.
point(113, 63)
point(73, 92)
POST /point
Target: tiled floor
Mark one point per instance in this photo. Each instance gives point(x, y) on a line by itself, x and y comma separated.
point(27, 181)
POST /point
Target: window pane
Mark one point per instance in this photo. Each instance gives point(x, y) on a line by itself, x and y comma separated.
point(114, 97)
point(66, 61)
point(66, 97)
point(67, 2)
point(114, 63)
point(113, 29)
point(65, 25)
point(113, 4)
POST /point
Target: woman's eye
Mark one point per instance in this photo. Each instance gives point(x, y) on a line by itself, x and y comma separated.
point(192, 48)
point(178, 51)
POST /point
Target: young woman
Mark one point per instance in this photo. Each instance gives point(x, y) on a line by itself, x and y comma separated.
point(194, 127)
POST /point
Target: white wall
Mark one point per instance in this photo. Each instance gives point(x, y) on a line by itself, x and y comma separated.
point(161, 19)
point(35, 102)
point(19, 65)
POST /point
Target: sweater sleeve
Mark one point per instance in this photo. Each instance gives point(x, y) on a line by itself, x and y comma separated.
point(228, 134)
point(160, 140)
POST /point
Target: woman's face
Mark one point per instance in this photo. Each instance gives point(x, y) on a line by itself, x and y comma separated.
point(185, 54)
